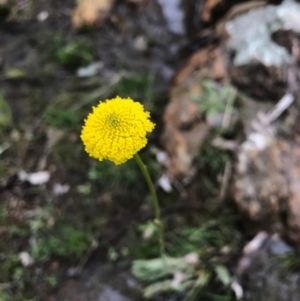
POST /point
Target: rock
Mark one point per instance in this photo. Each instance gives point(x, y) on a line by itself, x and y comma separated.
point(99, 282)
point(251, 34)
point(266, 177)
point(109, 294)
point(265, 184)
point(277, 246)
point(259, 63)
point(184, 130)
point(59, 189)
point(140, 43)
point(258, 81)
point(26, 259)
point(35, 178)
point(210, 60)
point(267, 171)
point(174, 15)
point(213, 10)
point(90, 70)
point(264, 276)
point(259, 184)
point(185, 125)
point(42, 16)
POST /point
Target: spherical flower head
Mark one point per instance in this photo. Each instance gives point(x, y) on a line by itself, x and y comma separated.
point(116, 130)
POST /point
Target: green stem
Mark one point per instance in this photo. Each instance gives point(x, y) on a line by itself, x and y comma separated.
point(157, 220)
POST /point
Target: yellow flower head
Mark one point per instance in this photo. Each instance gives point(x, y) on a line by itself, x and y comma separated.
point(116, 130)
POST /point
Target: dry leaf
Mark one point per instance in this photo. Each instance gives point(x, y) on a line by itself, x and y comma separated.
point(90, 12)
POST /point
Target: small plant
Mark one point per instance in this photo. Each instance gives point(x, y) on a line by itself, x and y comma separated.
point(195, 264)
point(291, 261)
point(51, 280)
point(74, 54)
point(66, 243)
point(4, 296)
point(214, 98)
point(115, 131)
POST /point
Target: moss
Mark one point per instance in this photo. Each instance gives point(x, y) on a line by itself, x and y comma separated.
point(72, 54)
point(5, 112)
point(67, 242)
point(63, 119)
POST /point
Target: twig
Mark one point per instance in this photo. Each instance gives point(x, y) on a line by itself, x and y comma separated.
point(228, 109)
point(279, 108)
point(262, 122)
point(225, 181)
point(225, 144)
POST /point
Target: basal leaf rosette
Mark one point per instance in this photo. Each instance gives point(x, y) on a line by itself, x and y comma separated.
point(116, 130)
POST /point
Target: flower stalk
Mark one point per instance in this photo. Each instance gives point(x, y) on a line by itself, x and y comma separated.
point(116, 130)
point(157, 220)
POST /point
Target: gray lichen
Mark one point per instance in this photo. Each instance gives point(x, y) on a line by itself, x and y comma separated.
point(251, 34)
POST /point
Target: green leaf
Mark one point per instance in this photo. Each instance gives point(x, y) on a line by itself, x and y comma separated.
point(154, 269)
point(202, 281)
point(223, 274)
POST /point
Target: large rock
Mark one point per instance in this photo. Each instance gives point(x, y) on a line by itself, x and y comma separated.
point(266, 277)
point(266, 178)
point(259, 63)
point(185, 125)
point(266, 183)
